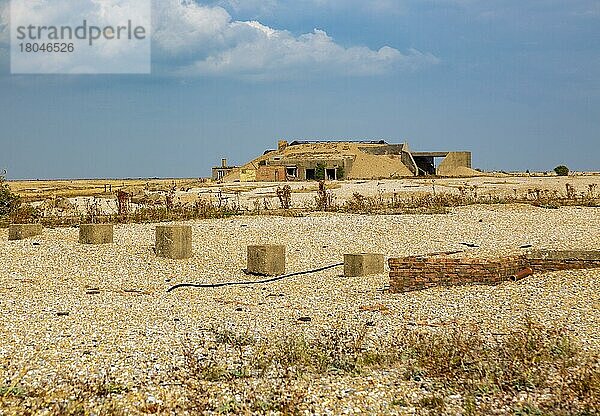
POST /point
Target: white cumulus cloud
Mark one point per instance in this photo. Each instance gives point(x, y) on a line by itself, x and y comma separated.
point(195, 39)
point(192, 38)
point(267, 7)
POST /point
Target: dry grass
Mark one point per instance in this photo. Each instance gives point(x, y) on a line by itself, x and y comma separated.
point(439, 203)
point(545, 363)
point(225, 372)
point(162, 207)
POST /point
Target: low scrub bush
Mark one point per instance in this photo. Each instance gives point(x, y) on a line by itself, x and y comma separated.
point(533, 369)
point(9, 202)
point(545, 363)
point(168, 208)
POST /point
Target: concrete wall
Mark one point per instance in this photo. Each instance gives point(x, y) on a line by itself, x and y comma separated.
point(248, 175)
point(452, 161)
point(410, 163)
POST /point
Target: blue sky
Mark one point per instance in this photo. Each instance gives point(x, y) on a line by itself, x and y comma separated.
point(518, 83)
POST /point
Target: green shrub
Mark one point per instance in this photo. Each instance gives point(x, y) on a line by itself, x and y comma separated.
point(320, 172)
point(561, 170)
point(8, 200)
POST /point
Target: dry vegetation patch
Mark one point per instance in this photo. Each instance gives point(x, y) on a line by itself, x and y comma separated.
point(534, 369)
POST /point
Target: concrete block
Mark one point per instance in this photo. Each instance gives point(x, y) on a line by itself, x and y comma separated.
point(22, 231)
point(267, 260)
point(96, 233)
point(582, 255)
point(174, 241)
point(364, 264)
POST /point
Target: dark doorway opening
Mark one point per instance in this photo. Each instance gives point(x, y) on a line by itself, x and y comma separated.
point(291, 172)
point(331, 174)
point(425, 164)
point(311, 174)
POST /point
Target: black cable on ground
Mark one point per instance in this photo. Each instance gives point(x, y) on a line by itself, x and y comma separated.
point(257, 282)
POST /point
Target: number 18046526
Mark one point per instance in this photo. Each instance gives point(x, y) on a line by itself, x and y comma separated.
point(47, 47)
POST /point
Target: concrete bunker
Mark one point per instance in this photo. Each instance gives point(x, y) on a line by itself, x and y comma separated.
point(336, 160)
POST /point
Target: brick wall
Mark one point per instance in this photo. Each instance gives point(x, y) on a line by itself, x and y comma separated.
point(416, 273)
point(271, 174)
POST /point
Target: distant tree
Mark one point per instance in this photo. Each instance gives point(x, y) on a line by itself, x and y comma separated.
point(320, 172)
point(562, 170)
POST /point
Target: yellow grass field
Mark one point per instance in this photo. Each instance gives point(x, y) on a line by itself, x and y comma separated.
point(39, 190)
point(36, 190)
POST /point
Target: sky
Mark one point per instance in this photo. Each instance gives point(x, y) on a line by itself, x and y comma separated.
point(515, 82)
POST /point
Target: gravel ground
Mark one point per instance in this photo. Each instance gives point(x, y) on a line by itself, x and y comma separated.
point(51, 324)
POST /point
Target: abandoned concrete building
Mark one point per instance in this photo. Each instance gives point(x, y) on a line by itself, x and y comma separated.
point(305, 160)
point(219, 172)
